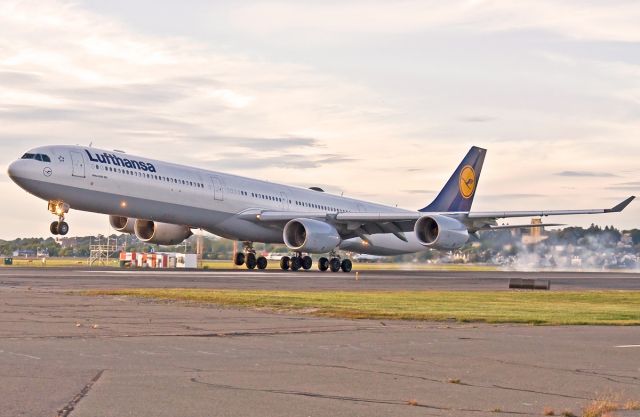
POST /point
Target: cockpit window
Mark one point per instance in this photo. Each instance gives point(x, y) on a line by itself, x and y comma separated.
point(37, 156)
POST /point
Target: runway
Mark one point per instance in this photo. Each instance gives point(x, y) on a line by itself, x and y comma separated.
point(70, 355)
point(82, 278)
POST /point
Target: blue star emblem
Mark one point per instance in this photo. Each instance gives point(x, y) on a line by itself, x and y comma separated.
point(61, 158)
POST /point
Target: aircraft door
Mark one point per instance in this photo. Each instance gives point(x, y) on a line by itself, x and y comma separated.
point(218, 190)
point(77, 160)
point(285, 201)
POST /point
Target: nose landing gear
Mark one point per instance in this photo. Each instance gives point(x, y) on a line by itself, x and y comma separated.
point(59, 208)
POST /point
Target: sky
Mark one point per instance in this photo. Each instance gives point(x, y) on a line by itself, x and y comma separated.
point(377, 100)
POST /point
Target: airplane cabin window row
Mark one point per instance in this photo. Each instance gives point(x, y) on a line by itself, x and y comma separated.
point(267, 197)
point(151, 176)
point(199, 185)
point(319, 206)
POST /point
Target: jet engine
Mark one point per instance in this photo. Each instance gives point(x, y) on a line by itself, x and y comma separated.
point(161, 233)
point(307, 235)
point(122, 224)
point(440, 232)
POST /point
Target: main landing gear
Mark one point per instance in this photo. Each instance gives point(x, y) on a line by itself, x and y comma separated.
point(248, 257)
point(299, 261)
point(294, 263)
point(59, 208)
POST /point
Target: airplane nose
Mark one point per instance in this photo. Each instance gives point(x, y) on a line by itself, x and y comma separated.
point(12, 170)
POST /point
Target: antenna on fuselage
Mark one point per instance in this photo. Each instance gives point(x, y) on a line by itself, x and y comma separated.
point(91, 144)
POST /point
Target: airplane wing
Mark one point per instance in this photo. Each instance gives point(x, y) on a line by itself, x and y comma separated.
point(453, 201)
point(368, 223)
point(505, 214)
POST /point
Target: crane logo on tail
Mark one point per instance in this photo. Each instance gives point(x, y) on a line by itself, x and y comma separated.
point(467, 182)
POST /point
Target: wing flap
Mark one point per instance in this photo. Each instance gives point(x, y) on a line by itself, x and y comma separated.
point(518, 226)
point(379, 217)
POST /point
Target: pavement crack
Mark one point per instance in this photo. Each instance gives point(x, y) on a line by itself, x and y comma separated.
point(315, 395)
point(68, 408)
point(424, 378)
point(346, 398)
point(585, 372)
point(202, 335)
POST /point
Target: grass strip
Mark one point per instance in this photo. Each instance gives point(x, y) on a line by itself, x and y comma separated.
point(540, 308)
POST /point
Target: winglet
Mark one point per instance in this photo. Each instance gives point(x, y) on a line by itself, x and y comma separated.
point(619, 207)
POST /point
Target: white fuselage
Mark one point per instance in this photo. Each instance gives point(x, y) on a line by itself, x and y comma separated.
point(116, 183)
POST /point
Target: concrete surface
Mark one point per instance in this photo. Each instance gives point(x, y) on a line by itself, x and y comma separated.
point(167, 359)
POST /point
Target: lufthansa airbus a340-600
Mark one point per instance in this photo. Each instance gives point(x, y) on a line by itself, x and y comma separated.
point(161, 202)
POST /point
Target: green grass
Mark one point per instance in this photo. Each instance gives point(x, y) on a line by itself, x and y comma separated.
point(55, 262)
point(549, 308)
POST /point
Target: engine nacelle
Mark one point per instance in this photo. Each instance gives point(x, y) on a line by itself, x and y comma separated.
point(161, 233)
point(122, 224)
point(441, 232)
point(307, 235)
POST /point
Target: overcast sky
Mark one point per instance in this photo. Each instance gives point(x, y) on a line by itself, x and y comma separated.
point(376, 99)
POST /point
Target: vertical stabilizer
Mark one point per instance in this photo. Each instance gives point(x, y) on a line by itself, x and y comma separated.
point(458, 192)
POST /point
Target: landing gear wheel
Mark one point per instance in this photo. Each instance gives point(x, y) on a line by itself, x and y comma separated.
point(239, 259)
point(307, 262)
point(334, 264)
point(346, 265)
point(285, 261)
point(261, 262)
point(54, 228)
point(296, 263)
point(251, 261)
point(63, 228)
point(323, 264)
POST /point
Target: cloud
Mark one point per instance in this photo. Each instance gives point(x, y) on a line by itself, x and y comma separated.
point(367, 110)
point(513, 195)
point(477, 119)
point(90, 78)
point(19, 78)
point(628, 186)
point(266, 143)
point(276, 158)
point(418, 191)
point(584, 174)
point(616, 20)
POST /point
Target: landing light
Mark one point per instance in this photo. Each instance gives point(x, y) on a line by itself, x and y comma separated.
point(123, 204)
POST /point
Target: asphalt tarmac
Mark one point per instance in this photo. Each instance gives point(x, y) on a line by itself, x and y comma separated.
point(70, 355)
point(82, 278)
